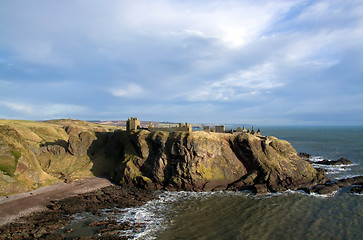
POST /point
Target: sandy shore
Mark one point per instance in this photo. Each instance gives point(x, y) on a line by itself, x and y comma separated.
point(15, 206)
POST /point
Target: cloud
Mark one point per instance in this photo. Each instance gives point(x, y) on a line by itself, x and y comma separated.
point(239, 85)
point(40, 111)
point(234, 59)
point(18, 107)
point(129, 91)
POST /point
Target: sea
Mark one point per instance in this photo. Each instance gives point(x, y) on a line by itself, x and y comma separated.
point(244, 215)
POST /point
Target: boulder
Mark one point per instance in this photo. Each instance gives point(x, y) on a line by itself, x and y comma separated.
point(326, 188)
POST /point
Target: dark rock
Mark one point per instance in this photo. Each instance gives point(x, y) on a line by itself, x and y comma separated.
point(260, 188)
point(351, 181)
point(326, 188)
point(65, 177)
point(357, 189)
point(42, 225)
point(340, 161)
point(329, 187)
point(305, 156)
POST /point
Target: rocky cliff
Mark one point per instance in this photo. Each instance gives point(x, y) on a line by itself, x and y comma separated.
point(34, 154)
point(212, 161)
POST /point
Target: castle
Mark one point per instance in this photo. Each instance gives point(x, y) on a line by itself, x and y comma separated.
point(133, 124)
point(221, 129)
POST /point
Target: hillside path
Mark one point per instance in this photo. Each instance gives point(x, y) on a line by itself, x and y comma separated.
point(22, 204)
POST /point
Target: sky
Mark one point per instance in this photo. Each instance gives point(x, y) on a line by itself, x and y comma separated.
point(255, 62)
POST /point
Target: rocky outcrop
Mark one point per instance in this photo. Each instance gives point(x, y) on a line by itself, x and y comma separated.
point(78, 145)
point(36, 154)
point(340, 161)
point(212, 161)
point(332, 186)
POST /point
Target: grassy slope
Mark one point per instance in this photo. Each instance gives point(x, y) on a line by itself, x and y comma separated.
point(23, 164)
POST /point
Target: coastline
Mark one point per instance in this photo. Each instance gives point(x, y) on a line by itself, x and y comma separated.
point(48, 212)
point(23, 204)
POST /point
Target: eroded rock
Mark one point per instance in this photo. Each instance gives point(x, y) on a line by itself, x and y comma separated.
point(212, 161)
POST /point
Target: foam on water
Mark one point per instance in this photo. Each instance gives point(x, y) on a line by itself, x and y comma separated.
point(153, 215)
point(334, 171)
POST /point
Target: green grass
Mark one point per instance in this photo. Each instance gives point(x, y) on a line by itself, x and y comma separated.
point(8, 165)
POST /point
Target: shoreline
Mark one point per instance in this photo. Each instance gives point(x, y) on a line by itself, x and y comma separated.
point(31, 217)
point(19, 205)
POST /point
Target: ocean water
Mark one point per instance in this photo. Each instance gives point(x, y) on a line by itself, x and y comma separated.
point(286, 215)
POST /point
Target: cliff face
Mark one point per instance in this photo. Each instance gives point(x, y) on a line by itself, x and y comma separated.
point(34, 154)
point(212, 161)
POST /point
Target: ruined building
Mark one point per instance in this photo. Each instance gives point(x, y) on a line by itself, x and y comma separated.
point(206, 129)
point(220, 129)
point(179, 128)
point(132, 124)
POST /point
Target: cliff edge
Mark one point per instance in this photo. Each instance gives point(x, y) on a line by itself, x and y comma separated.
point(201, 161)
point(34, 154)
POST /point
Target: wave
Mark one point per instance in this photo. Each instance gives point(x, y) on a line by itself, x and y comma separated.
point(335, 171)
point(153, 216)
point(148, 220)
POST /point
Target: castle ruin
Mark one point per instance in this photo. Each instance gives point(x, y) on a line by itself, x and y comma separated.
point(221, 129)
point(132, 124)
point(179, 128)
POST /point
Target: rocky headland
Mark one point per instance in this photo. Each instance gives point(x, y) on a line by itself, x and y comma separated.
point(201, 161)
point(36, 154)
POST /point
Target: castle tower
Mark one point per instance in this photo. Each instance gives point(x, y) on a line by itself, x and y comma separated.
point(258, 133)
point(132, 124)
point(220, 129)
point(244, 130)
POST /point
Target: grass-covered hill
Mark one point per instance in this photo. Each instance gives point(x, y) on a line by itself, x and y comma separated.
point(34, 154)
